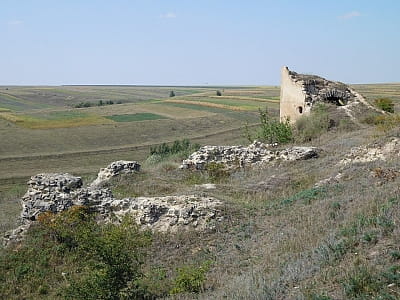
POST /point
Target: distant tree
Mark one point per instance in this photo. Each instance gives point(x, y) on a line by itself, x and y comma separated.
point(172, 94)
point(219, 93)
point(101, 103)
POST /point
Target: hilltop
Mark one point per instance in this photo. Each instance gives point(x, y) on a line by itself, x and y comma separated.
point(325, 227)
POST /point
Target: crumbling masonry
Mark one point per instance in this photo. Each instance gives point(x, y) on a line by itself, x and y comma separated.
point(299, 93)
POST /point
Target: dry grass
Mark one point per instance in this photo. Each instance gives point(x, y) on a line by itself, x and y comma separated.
point(208, 104)
point(281, 238)
point(246, 99)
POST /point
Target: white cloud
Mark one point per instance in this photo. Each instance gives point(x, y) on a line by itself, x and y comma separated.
point(15, 23)
point(350, 15)
point(169, 15)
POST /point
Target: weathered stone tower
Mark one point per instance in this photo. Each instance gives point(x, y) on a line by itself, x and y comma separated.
point(299, 92)
point(293, 98)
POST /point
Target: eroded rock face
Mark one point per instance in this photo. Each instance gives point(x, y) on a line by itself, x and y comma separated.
point(239, 156)
point(114, 169)
point(58, 192)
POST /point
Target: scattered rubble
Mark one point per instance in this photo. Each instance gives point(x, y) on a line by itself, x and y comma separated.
point(240, 156)
point(167, 213)
point(58, 192)
point(373, 152)
point(330, 180)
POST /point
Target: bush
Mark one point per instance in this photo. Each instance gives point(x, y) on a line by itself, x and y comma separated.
point(218, 93)
point(83, 104)
point(217, 172)
point(71, 255)
point(383, 122)
point(182, 147)
point(172, 94)
point(314, 125)
point(386, 104)
point(190, 279)
point(270, 130)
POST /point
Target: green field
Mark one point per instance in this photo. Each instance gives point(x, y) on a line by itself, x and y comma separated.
point(39, 123)
point(135, 117)
point(281, 237)
point(43, 132)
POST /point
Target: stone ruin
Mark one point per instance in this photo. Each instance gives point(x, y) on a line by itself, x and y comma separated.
point(300, 92)
point(239, 156)
point(58, 192)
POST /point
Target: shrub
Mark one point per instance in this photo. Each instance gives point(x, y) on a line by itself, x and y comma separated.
point(270, 130)
point(312, 126)
point(190, 279)
point(386, 104)
point(383, 122)
point(71, 255)
point(83, 104)
point(172, 94)
point(182, 147)
point(361, 283)
point(218, 93)
point(217, 172)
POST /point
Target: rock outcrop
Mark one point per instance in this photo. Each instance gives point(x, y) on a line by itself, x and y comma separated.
point(239, 156)
point(58, 192)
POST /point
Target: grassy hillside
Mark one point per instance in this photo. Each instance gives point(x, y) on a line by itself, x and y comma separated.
point(283, 236)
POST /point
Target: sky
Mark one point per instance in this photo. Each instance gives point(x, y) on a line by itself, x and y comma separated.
point(188, 42)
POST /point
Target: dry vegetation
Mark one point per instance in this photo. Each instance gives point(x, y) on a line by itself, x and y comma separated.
point(283, 237)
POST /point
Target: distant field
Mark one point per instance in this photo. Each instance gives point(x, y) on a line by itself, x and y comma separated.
point(374, 91)
point(60, 119)
point(135, 117)
point(41, 131)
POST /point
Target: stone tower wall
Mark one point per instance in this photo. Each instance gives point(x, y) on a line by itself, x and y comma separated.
point(292, 99)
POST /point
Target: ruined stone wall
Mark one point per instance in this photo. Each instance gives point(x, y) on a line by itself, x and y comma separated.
point(292, 100)
point(300, 92)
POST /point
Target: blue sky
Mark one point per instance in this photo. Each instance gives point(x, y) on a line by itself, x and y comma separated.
point(172, 42)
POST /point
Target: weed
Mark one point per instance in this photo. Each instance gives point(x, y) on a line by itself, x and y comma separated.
point(386, 104)
point(361, 283)
point(217, 172)
point(370, 237)
point(270, 130)
point(310, 127)
point(97, 260)
point(190, 279)
point(319, 297)
point(395, 254)
point(306, 196)
point(181, 147)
